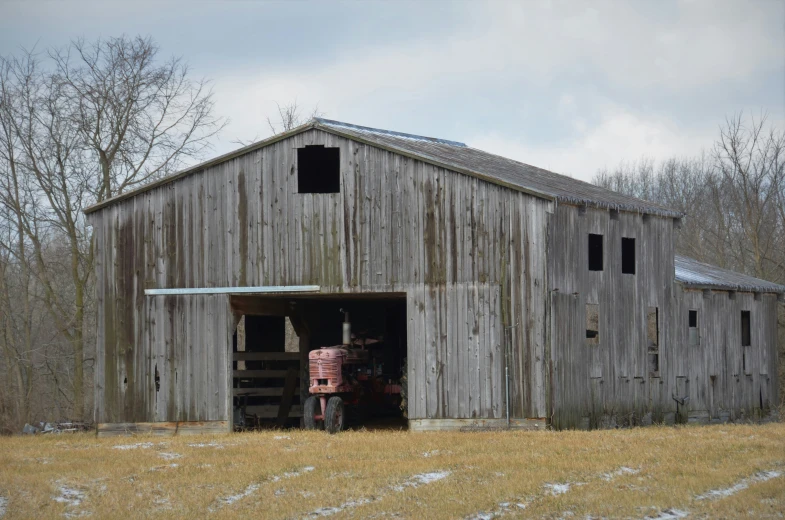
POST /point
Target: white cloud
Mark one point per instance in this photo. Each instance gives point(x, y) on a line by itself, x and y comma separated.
point(621, 135)
point(698, 46)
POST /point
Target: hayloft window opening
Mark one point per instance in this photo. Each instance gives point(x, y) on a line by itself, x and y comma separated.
point(653, 334)
point(595, 252)
point(628, 256)
point(318, 169)
point(592, 324)
point(746, 336)
point(693, 327)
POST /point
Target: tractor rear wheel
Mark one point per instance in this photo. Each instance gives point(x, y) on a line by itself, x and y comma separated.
point(311, 409)
point(333, 416)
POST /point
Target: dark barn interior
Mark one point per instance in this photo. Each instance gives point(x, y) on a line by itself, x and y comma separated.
point(271, 343)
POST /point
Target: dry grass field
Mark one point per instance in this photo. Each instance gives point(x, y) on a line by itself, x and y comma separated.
point(726, 471)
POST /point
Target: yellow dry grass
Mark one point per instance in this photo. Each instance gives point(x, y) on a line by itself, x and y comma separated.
point(292, 474)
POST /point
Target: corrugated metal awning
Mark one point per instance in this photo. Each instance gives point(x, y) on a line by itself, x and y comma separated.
point(696, 274)
point(266, 289)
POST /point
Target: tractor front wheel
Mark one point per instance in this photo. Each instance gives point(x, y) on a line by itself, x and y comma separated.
point(311, 409)
point(333, 416)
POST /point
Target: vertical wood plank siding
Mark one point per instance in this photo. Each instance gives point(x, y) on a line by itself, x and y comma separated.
point(611, 382)
point(470, 256)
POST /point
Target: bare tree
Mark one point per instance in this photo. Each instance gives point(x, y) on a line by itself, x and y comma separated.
point(289, 117)
point(81, 125)
point(141, 118)
point(749, 163)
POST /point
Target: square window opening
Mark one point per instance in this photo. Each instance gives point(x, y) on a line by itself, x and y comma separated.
point(592, 324)
point(595, 252)
point(746, 333)
point(628, 255)
point(318, 169)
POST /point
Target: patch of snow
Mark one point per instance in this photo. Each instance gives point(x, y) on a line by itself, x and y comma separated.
point(225, 501)
point(163, 502)
point(290, 474)
point(423, 478)
point(69, 496)
point(281, 437)
point(330, 511)
point(430, 453)
point(620, 472)
point(412, 482)
point(158, 468)
point(761, 476)
point(143, 445)
point(3, 505)
point(169, 456)
point(206, 445)
point(504, 509)
point(557, 489)
point(670, 514)
point(231, 499)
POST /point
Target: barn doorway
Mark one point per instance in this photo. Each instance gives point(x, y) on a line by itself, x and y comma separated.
point(271, 345)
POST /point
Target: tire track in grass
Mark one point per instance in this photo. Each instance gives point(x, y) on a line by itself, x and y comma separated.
point(761, 476)
point(552, 489)
point(252, 488)
point(413, 482)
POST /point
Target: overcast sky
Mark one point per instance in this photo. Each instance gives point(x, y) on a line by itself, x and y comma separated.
point(562, 85)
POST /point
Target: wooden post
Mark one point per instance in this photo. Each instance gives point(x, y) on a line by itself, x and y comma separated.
point(288, 394)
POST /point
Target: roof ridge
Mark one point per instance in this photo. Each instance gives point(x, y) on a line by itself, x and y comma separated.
point(334, 122)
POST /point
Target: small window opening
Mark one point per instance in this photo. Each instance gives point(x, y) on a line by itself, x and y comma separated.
point(318, 170)
point(595, 252)
point(592, 324)
point(693, 327)
point(157, 379)
point(614, 214)
point(628, 255)
point(653, 334)
point(746, 339)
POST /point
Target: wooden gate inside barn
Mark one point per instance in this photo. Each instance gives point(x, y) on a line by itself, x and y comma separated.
point(268, 382)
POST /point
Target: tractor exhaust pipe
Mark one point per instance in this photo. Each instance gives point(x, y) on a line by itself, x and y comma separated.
point(347, 328)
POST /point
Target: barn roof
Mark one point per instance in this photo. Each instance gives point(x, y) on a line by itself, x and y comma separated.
point(500, 170)
point(692, 273)
point(452, 155)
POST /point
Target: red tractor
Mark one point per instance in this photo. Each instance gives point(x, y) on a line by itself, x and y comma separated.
point(347, 375)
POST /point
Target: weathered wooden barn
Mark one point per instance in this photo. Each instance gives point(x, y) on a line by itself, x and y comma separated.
point(513, 295)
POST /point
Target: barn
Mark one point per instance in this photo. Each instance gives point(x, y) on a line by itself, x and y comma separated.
point(502, 295)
